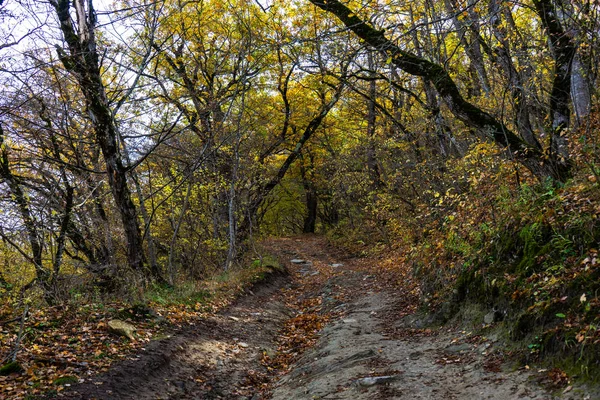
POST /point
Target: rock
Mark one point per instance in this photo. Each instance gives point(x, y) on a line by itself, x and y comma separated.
point(298, 261)
point(459, 348)
point(350, 321)
point(243, 344)
point(236, 319)
point(140, 312)
point(493, 316)
point(360, 356)
point(122, 328)
point(269, 352)
point(336, 265)
point(375, 380)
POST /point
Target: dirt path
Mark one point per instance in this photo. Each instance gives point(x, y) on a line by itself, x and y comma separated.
point(217, 358)
point(356, 359)
point(368, 351)
point(364, 351)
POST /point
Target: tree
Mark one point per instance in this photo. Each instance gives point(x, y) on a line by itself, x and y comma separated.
point(83, 62)
point(556, 165)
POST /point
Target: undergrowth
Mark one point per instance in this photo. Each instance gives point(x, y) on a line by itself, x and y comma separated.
point(531, 253)
point(64, 344)
point(499, 239)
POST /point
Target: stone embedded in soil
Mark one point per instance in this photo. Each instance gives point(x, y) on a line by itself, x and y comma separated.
point(122, 328)
point(336, 265)
point(459, 348)
point(298, 261)
point(376, 380)
point(269, 352)
point(489, 318)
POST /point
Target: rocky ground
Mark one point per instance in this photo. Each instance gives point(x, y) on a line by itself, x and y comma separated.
point(332, 329)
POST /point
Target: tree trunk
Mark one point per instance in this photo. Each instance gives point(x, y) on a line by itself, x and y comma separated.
point(372, 164)
point(34, 237)
point(519, 99)
point(472, 48)
point(83, 62)
point(580, 90)
point(563, 50)
point(154, 268)
point(443, 136)
point(176, 228)
point(311, 201)
point(23, 205)
point(310, 220)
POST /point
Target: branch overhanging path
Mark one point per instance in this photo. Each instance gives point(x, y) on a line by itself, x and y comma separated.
point(468, 113)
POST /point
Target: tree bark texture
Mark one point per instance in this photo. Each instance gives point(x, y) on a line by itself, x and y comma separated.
point(372, 164)
point(502, 54)
point(311, 200)
point(472, 47)
point(20, 198)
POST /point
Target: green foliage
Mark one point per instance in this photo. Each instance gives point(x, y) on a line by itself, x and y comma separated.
point(11, 367)
point(268, 262)
point(66, 380)
point(457, 245)
point(187, 293)
point(285, 215)
point(535, 254)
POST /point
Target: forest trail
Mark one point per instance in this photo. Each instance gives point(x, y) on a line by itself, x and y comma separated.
point(364, 350)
